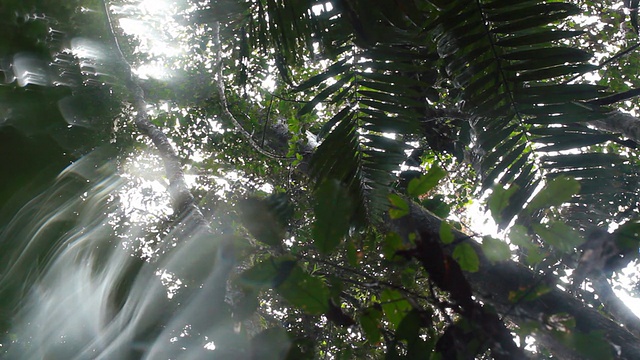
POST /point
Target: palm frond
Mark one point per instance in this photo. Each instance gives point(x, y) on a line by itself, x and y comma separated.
point(510, 66)
point(505, 62)
point(357, 149)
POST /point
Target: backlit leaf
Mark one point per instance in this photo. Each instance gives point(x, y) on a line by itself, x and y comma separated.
point(466, 256)
point(394, 306)
point(333, 211)
point(556, 192)
point(305, 291)
point(399, 206)
point(495, 250)
point(424, 183)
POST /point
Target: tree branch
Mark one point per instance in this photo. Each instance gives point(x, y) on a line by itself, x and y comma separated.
point(620, 122)
point(614, 305)
point(222, 98)
point(495, 284)
point(183, 202)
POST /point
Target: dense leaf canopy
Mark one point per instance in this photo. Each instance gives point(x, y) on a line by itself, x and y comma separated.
point(271, 179)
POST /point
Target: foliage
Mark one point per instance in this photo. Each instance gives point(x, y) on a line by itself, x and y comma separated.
point(341, 129)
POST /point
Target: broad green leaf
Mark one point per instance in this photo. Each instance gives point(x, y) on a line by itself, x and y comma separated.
point(518, 236)
point(559, 235)
point(534, 9)
point(391, 244)
point(446, 233)
point(305, 291)
point(582, 160)
point(437, 205)
point(333, 210)
point(627, 236)
point(424, 183)
point(394, 306)
point(399, 206)
point(535, 255)
point(270, 344)
point(268, 273)
point(499, 200)
point(556, 192)
point(261, 221)
point(495, 250)
point(409, 328)
point(592, 346)
point(370, 323)
point(466, 256)
point(555, 71)
point(532, 22)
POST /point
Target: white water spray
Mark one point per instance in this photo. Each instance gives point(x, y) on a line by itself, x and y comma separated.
point(79, 293)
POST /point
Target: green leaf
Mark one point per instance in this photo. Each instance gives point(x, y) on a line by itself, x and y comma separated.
point(270, 344)
point(261, 221)
point(528, 293)
point(537, 38)
point(399, 206)
point(409, 328)
point(556, 192)
point(437, 205)
point(305, 291)
point(499, 200)
point(535, 256)
point(331, 71)
point(394, 306)
point(518, 236)
point(591, 346)
point(370, 323)
point(567, 53)
point(446, 233)
point(426, 182)
point(352, 254)
point(466, 256)
point(323, 95)
point(391, 244)
point(326, 128)
point(268, 273)
point(627, 236)
point(495, 250)
point(333, 210)
point(559, 235)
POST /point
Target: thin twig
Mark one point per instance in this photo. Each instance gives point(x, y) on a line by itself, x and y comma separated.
point(620, 54)
point(222, 98)
point(266, 121)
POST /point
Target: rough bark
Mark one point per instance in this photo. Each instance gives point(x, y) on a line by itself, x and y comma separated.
point(495, 283)
point(619, 122)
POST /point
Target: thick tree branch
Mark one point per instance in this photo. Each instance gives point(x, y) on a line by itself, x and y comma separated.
point(619, 122)
point(496, 283)
point(183, 202)
point(614, 305)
